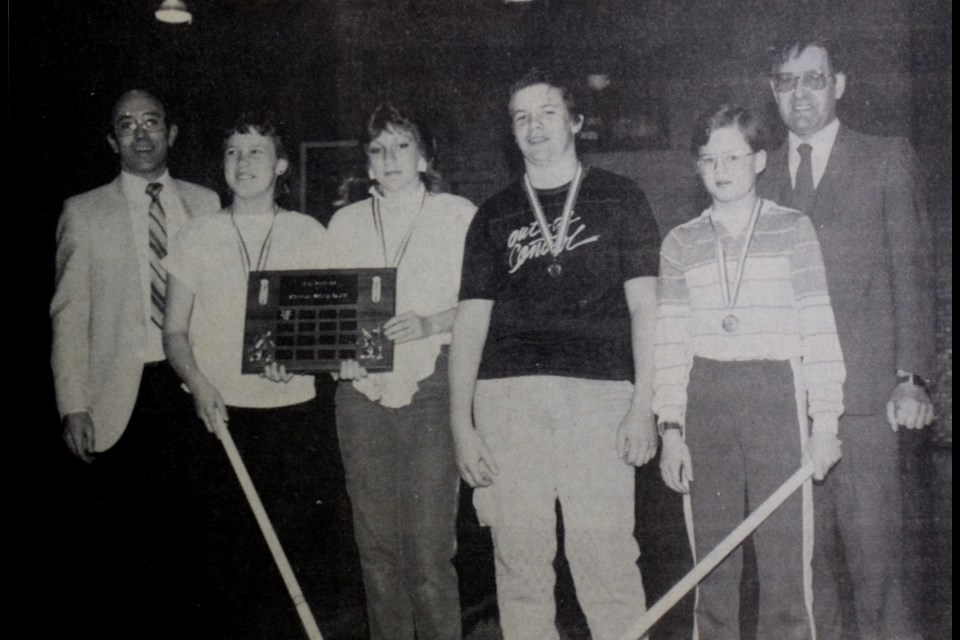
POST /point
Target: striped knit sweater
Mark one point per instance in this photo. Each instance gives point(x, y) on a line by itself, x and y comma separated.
point(783, 310)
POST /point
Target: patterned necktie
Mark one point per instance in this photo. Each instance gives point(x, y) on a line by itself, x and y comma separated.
point(158, 250)
point(804, 193)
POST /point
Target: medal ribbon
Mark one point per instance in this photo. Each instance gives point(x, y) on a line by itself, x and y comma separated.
point(378, 226)
point(555, 243)
point(264, 247)
point(728, 300)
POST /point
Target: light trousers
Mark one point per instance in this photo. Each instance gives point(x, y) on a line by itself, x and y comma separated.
point(555, 438)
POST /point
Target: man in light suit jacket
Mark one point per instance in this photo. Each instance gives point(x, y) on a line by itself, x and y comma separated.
point(120, 402)
point(864, 197)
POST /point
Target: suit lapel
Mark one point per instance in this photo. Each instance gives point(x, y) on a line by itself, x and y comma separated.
point(191, 205)
point(832, 179)
point(119, 219)
point(120, 242)
point(778, 176)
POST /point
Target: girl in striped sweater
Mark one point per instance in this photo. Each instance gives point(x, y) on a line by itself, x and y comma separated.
point(747, 359)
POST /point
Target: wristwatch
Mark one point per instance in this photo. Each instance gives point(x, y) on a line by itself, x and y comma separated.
point(663, 427)
point(912, 378)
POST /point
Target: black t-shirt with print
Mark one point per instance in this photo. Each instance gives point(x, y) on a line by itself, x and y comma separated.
point(577, 324)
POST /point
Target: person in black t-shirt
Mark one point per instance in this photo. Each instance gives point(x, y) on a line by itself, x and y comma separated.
point(552, 357)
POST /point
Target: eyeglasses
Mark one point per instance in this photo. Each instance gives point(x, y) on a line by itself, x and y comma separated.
point(727, 160)
point(127, 125)
point(786, 82)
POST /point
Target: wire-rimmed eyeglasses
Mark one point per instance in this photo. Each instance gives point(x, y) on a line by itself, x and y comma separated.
point(727, 160)
point(127, 125)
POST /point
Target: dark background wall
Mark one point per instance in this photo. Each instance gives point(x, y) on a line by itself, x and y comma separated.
point(323, 64)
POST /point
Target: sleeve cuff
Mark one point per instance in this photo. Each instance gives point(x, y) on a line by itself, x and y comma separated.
point(825, 424)
point(916, 380)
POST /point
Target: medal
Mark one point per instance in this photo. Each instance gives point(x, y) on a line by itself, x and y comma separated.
point(555, 243)
point(731, 323)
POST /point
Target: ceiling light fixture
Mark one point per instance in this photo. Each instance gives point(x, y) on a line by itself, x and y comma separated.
point(173, 12)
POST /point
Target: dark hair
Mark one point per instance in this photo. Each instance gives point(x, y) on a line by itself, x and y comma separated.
point(265, 125)
point(728, 115)
point(793, 46)
point(388, 116)
point(537, 76)
point(143, 92)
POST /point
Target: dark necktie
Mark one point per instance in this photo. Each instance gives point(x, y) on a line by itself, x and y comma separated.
point(158, 250)
point(804, 193)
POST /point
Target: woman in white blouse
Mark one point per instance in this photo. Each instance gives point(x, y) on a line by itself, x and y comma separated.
point(747, 359)
point(271, 416)
point(394, 427)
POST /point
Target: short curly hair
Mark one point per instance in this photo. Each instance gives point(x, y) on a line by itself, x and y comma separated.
point(265, 124)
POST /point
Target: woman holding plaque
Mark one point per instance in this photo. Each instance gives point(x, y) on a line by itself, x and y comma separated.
point(272, 422)
point(394, 427)
point(746, 350)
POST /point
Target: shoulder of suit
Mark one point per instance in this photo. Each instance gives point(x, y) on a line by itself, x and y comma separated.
point(190, 186)
point(874, 145)
point(189, 190)
point(95, 195)
point(103, 202)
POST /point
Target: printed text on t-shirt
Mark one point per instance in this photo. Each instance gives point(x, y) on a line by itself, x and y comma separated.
point(528, 242)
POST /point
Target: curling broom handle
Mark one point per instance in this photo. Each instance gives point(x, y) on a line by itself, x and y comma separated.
point(279, 557)
point(728, 544)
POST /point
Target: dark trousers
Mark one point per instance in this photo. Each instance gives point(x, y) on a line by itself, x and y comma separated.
point(859, 527)
point(744, 439)
point(135, 513)
point(295, 470)
point(402, 480)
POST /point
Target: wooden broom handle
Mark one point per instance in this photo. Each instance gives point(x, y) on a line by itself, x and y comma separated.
point(715, 557)
point(279, 557)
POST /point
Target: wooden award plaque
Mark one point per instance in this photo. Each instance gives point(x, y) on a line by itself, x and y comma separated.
point(309, 321)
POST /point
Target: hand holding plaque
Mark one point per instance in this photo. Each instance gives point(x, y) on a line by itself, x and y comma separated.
point(407, 327)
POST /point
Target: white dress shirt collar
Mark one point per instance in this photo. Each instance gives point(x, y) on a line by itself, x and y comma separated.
point(822, 143)
point(135, 187)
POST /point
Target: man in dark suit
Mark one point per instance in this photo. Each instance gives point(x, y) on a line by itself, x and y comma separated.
point(120, 402)
point(863, 195)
